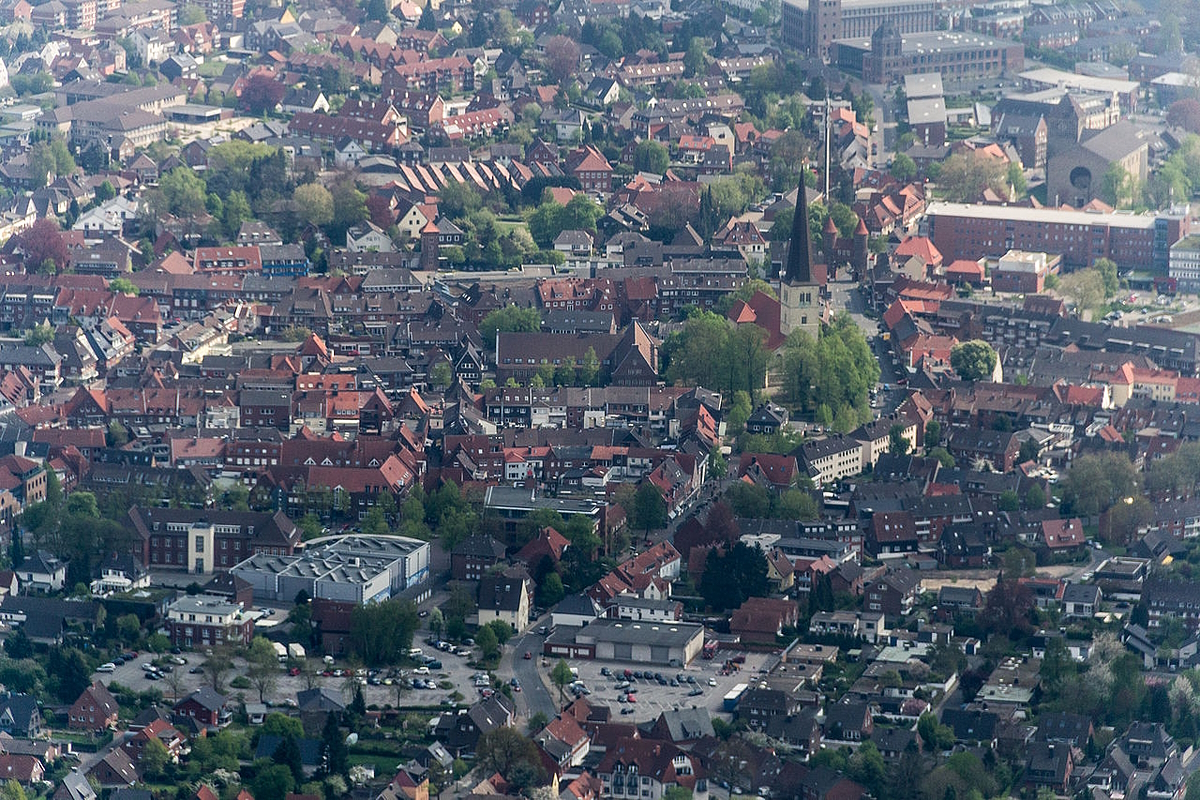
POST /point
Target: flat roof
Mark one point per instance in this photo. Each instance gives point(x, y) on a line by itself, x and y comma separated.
point(1057, 216)
point(926, 110)
point(527, 499)
point(923, 84)
point(1057, 77)
point(617, 631)
point(934, 42)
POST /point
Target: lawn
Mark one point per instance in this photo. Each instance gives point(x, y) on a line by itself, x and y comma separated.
point(384, 765)
point(210, 69)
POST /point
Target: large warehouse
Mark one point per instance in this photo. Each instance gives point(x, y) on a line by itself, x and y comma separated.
point(660, 643)
point(356, 568)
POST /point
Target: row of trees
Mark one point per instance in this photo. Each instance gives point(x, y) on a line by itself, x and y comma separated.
point(711, 352)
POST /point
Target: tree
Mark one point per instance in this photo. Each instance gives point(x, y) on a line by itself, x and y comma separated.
point(550, 590)
point(39, 335)
point(903, 168)
point(380, 633)
point(650, 156)
point(504, 749)
point(936, 736)
point(510, 319)
point(1035, 497)
point(974, 360)
point(896, 440)
point(262, 93)
point(963, 177)
point(428, 21)
point(314, 204)
point(1127, 519)
point(650, 510)
point(442, 374)
point(272, 781)
point(333, 747)
point(1118, 188)
point(1185, 114)
point(733, 574)
point(262, 666)
point(1096, 482)
point(485, 640)
point(562, 58)
point(1108, 273)
point(561, 676)
point(1007, 608)
point(217, 666)
point(43, 247)
point(1085, 287)
point(933, 433)
point(11, 790)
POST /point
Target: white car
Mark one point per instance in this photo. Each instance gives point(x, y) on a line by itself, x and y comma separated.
point(107, 667)
point(712, 681)
point(421, 671)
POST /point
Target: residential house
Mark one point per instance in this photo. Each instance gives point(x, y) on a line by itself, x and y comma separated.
point(95, 709)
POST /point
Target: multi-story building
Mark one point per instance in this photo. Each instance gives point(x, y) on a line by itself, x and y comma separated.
point(1184, 264)
point(888, 55)
point(205, 540)
point(813, 25)
point(202, 621)
point(1134, 241)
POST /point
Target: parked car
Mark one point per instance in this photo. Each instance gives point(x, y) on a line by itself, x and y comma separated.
point(109, 667)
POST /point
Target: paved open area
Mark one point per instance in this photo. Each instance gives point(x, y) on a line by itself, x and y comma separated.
point(379, 688)
point(652, 697)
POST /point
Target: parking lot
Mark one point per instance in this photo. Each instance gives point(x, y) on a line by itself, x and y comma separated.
point(652, 697)
point(381, 688)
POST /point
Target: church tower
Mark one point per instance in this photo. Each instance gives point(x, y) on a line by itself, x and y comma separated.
point(799, 285)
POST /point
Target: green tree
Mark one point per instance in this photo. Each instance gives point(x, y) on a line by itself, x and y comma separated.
point(963, 177)
point(183, 193)
point(1118, 188)
point(333, 747)
point(561, 677)
point(732, 575)
point(262, 666)
point(937, 737)
point(314, 204)
point(272, 781)
point(551, 591)
point(485, 640)
point(1108, 272)
point(1034, 497)
point(39, 335)
point(11, 790)
point(974, 360)
point(650, 156)
point(510, 753)
point(380, 633)
point(897, 442)
point(650, 510)
point(1096, 482)
point(510, 319)
point(1085, 287)
point(903, 168)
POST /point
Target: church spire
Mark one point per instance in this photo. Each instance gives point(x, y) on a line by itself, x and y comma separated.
point(800, 253)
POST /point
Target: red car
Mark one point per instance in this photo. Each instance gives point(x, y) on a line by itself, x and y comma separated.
point(528, 655)
point(631, 698)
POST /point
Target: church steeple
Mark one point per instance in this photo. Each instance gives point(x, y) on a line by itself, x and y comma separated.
point(800, 253)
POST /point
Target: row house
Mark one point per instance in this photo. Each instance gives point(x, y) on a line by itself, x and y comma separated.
point(227, 260)
point(454, 74)
point(372, 136)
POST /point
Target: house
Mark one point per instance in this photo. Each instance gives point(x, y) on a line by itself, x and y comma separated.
point(682, 726)
point(1048, 765)
point(891, 533)
point(114, 769)
point(563, 744)
point(474, 556)
point(759, 620)
point(95, 709)
point(894, 594)
point(758, 706)
point(971, 725)
point(206, 706)
point(960, 599)
point(653, 765)
point(1081, 600)
point(849, 722)
point(42, 572)
point(367, 237)
point(505, 597)
point(767, 419)
point(169, 736)
point(23, 768)
point(1062, 536)
point(21, 716)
